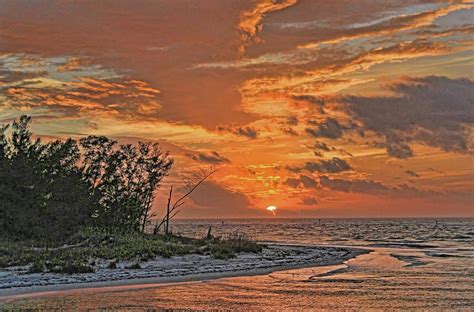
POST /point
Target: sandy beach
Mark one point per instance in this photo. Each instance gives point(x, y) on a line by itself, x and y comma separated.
point(309, 266)
point(15, 282)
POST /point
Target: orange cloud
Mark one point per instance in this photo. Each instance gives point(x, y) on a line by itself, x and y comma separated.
point(250, 24)
point(305, 91)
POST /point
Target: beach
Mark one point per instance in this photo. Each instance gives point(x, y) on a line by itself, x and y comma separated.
point(412, 265)
point(275, 257)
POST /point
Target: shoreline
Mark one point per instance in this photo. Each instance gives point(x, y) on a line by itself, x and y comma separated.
point(294, 257)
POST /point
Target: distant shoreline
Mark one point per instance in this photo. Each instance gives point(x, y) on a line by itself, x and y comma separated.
point(266, 218)
point(190, 268)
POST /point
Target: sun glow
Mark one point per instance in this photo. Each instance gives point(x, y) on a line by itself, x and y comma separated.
point(272, 209)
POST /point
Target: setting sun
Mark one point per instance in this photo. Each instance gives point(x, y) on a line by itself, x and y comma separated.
point(272, 209)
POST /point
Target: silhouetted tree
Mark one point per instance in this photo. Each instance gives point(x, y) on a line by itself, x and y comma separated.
point(125, 178)
point(42, 195)
point(49, 191)
point(153, 166)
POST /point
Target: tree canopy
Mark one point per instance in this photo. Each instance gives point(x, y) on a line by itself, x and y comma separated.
point(49, 191)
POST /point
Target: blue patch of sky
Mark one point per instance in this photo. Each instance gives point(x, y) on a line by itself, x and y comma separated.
point(457, 19)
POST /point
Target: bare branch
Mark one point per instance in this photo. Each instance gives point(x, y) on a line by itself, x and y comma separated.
point(190, 186)
point(174, 214)
point(202, 178)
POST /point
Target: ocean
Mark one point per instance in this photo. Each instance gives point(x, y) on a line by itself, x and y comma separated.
point(415, 264)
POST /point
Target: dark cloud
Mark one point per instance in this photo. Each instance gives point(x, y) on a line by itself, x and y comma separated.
point(363, 186)
point(370, 187)
point(210, 158)
point(309, 201)
point(330, 128)
point(292, 182)
point(353, 186)
point(334, 165)
point(301, 181)
point(397, 148)
point(13, 76)
point(343, 152)
point(248, 132)
point(412, 173)
point(321, 146)
point(309, 98)
point(292, 121)
point(308, 182)
point(317, 153)
point(431, 110)
point(289, 131)
point(318, 102)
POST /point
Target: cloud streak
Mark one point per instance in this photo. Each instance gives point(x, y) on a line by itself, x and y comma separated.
point(213, 158)
point(334, 165)
point(250, 23)
point(247, 131)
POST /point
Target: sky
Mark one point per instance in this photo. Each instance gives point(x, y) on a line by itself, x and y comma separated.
point(320, 108)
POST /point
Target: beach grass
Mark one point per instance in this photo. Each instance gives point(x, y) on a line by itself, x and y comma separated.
point(83, 251)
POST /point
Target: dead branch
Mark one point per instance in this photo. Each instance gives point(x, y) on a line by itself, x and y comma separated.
point(190, 185)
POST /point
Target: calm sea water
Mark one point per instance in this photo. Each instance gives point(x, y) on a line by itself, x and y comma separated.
point(416, 264)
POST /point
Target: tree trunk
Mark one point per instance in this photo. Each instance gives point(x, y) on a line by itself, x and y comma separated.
point(148, 202)
point(167, 223)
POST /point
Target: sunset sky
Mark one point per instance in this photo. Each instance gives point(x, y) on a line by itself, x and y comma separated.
point(344, 108)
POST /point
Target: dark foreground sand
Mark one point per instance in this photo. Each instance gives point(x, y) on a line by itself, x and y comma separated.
point(16, 283)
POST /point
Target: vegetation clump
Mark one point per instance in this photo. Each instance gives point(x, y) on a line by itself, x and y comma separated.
point(231, 245)
point(36, 267)
point(65, 206)
point(50, 191)
point(91, 247)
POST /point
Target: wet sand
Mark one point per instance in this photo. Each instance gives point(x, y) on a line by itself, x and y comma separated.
point(373, 281)
point(16, 284)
